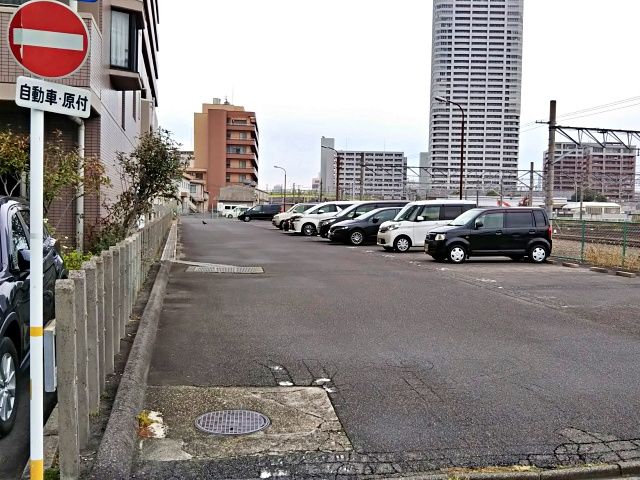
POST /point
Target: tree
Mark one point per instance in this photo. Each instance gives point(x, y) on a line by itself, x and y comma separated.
point(62, 168)
point(14, 161)
point(589, 196)
point(149, 172)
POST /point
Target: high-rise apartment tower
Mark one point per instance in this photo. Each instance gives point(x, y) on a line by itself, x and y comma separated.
point(476, 63)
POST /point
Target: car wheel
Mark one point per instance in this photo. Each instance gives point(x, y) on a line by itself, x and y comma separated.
point(538, 253)
point(308, 229)
point(457, 254)
point(356, 237)
point(402, 244)
point(285, 227)
point(247, 219)
point(279, 225)
point(229, 216)
point(8, 385)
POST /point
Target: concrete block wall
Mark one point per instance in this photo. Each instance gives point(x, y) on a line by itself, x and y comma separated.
point(92, 311)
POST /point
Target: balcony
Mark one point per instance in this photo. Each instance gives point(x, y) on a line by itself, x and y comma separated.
point(245, 171)
point(239, 127)
point(250, 142)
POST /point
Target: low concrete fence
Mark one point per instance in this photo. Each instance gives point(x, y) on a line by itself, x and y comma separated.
point(92, 310)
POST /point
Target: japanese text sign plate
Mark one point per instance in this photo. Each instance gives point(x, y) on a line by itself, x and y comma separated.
point(53, 97)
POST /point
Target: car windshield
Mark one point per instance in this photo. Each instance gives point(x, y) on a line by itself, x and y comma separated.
point(345, 213)
point(408, 213)
point(298, 208)
point(371, 213)
point(465, 217)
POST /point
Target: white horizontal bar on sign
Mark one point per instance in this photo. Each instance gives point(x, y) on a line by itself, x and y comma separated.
point(41, 38)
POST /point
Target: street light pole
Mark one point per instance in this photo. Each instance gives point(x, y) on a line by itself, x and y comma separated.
point(284, 195)
point(337, 170)
point(446, 100)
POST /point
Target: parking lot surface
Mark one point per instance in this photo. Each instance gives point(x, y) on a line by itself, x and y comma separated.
point(489, 362)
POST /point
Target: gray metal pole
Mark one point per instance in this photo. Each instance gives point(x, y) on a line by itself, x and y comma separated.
point(549, 180)
point(531, 184)
point(362, 176)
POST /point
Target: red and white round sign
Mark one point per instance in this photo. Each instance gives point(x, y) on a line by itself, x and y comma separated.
point(48, 39)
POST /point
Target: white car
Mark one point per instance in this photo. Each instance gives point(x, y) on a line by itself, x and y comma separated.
point(416, 219)
point(297, 208)
point(234, 212)
point(307, 222)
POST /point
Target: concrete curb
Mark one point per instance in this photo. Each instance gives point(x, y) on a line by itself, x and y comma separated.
point(577, 473)
point(622, 273)
point(115, 455)
point(570, 265)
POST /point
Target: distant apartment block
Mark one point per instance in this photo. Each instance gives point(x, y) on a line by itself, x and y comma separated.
point(476, 62)
point(226, 147)
point(121, 71)
point(608, 170)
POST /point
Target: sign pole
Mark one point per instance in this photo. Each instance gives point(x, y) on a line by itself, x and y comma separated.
point(36, 216)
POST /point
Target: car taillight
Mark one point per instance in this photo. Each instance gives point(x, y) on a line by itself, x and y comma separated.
point(550, 231)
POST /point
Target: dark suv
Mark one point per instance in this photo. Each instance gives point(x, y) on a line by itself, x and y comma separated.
point(14, 300)
point(260, 212)
point(354, 211)
point(511, 232)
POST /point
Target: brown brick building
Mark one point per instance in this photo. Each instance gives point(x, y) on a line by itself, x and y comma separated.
point(226, 147)
point(121, 72)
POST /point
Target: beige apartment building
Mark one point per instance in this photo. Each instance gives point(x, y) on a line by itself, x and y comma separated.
point(226, 148)
point(121, 71)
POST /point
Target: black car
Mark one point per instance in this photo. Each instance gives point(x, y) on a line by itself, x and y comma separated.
point(363, 228)
point(14, 300)
point(355, 211)
point(513, 232)
point(260, 212)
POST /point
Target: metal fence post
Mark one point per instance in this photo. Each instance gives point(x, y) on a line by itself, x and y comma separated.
point(93, 343)
point(624, 242)
point(582, 237)
point(68, 448)
point(78, 277)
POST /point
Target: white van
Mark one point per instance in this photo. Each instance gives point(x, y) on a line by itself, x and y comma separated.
point(416, 219)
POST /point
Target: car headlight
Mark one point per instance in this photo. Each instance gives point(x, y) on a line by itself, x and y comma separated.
point(393, 226)
point(339, 227)
point(294, 218)
point(440, 237)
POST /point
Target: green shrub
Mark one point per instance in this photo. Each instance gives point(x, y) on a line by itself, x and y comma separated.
point(73, 260)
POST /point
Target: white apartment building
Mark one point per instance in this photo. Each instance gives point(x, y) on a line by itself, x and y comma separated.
point(476, 62)
point(385, 173)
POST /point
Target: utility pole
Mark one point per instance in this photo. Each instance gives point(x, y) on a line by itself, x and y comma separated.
point(362, 176)
point(531, 184)
point(549, 180)
point(320, 197)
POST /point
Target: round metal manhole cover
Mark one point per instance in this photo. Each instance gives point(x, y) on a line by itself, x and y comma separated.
point(232, 422)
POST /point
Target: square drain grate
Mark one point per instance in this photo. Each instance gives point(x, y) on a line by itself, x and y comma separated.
point(225, 269)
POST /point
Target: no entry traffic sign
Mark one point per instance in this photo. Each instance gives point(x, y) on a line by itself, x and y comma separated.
point(48, 39)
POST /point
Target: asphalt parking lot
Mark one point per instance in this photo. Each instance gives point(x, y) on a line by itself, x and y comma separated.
point(489, 362)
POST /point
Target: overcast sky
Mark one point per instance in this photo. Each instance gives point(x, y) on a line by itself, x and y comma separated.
point(358, 71)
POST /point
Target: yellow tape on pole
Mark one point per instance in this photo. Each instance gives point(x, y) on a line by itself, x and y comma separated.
point(37, 469)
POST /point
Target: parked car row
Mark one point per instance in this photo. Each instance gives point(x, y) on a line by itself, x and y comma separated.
point(452, 230)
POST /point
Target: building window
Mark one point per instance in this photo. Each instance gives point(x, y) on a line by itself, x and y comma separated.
point(235, 149)
point(124, 40)
point(243, 164)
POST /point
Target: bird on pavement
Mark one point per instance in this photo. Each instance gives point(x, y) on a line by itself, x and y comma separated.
point(203, 222)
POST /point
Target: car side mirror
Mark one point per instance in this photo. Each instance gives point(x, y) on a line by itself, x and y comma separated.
point(420, 218)
point(375, 220)
point(24, 260)
point(479, 224)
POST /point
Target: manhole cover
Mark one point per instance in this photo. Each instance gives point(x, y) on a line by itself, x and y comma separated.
point(232, 422)
point(225, 269)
